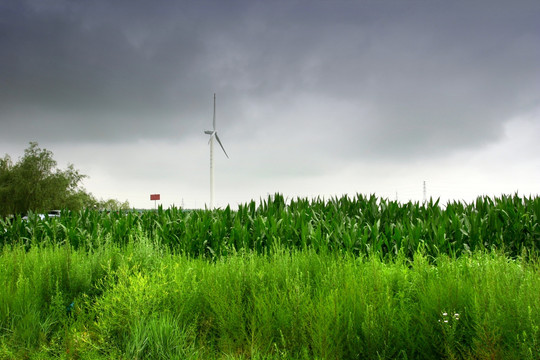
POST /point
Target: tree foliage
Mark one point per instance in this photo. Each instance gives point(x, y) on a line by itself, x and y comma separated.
point(112, 205)
point(35, 184)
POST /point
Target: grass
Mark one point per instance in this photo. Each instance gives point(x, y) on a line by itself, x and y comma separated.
point(141, 300)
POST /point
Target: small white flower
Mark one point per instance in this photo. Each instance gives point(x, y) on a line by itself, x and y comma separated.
point(444, 314)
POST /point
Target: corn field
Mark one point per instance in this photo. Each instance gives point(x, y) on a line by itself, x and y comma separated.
point(361, 226)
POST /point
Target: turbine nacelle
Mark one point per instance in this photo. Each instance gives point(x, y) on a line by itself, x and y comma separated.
point(213, 134)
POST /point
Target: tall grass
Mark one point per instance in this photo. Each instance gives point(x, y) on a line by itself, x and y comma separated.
point(143, 301)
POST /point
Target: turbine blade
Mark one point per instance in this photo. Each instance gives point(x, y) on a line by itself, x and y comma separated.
point(214, 111)
point(220, 144)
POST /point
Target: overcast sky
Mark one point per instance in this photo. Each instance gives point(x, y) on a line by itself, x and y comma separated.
point(314, 98)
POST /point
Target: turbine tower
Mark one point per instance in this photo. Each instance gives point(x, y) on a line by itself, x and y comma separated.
point(213, 134)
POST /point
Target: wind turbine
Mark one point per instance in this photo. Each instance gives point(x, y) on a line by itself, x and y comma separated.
point(213, 134)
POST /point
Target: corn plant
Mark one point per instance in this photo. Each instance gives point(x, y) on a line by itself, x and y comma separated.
point(358, 225)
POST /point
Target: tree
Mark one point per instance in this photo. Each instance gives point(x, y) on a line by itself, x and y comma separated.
point(35, 184)
point(113, 205)
point(6, 180)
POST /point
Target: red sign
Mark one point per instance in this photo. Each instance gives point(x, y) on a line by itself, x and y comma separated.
point(154, 197)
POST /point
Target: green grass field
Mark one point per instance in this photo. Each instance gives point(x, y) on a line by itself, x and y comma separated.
point(304, 280)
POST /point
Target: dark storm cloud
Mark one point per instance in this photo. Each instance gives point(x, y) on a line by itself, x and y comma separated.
point(126, 66)
point(408, 77)
point(424, 77)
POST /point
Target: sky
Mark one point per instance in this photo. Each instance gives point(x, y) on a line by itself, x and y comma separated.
point(313, 98)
